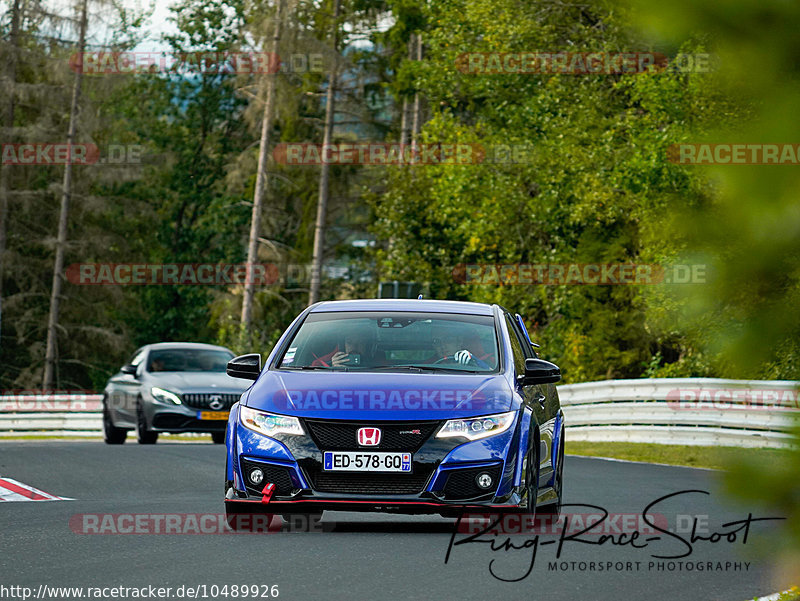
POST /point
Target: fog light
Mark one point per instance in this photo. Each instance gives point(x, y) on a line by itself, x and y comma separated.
point(256, 476)
point(483, 480)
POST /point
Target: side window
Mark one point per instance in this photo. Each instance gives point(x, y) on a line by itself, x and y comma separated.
point(516, 347)
point(527, 349)
point(137, 357)
point(525, 338)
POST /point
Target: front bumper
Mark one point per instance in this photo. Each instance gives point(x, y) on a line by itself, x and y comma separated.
point(443, 477)
point(190, 415)
point(306, 506)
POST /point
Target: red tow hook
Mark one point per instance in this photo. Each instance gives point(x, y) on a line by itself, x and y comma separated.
point(267, 492)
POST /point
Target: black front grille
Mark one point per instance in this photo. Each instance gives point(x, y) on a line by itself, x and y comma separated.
point(371, 484)
point(461, 483)
point(177, 421)
point(201, 400)
point(276, 474)
point(395, 436)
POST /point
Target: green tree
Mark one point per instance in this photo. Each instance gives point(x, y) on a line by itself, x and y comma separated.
point(591, 188)
point(749, 232)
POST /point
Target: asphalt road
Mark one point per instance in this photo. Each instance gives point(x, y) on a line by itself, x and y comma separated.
point(360, 556)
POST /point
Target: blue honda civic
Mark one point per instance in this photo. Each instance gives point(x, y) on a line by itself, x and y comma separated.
point(411, 406)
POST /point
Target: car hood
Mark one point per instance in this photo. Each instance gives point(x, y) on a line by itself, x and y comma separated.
point(189, 381)
point(389, 396)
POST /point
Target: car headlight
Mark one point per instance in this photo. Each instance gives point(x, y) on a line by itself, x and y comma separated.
point(165, 396)
point(473, 428)
point(269, 424)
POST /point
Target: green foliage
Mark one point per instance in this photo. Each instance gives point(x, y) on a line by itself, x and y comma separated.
point(190, 199)
point(42, 100)
point(597, 187)
point(750, 231)
point(773, 485)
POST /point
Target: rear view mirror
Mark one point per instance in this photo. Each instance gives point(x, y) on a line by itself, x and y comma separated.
point(128, 369)
point(247, 366)
point(539, 371)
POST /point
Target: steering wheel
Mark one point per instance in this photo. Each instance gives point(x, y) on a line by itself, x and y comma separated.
point(453, 359)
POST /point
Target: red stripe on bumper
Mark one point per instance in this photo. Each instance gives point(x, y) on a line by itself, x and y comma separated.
point(375, 502)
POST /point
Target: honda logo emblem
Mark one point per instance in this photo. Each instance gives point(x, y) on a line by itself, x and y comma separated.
point(369, 437)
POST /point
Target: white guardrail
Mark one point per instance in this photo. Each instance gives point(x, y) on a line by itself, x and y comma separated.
point(58, 413)
point(685, 411)
point(682, 411)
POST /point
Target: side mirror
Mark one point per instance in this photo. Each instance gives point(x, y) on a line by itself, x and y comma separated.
point(128, 369)
point(539, 371)
point(245, 366)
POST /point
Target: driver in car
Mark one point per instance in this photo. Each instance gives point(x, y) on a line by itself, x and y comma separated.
point(358, 343)
point(450, 346)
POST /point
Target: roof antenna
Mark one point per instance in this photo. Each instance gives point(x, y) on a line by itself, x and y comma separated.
point(419, 297)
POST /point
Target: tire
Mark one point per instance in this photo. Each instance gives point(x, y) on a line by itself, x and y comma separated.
point(532, 478)
point(525, 516)
point(218, 437)
point(554, 509)
point(112, 434)
point(143, 433)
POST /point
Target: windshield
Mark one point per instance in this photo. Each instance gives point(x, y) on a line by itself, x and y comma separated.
point(393, 341)
point(187, 359)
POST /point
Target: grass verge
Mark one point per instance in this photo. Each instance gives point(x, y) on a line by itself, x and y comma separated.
point(793, 594)
point(691, 456)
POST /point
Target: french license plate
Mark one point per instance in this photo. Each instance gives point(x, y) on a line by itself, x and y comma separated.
point(344, 461)
point(213, 415)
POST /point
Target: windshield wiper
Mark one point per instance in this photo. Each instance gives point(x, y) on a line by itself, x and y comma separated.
point(426, 368)
point(312, 367)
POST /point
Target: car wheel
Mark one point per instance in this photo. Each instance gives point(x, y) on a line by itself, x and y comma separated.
point(143, 434)
point(524, 517)
point(112, 434)
point(558, 484)
point(532, 479)
point(218, 437)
